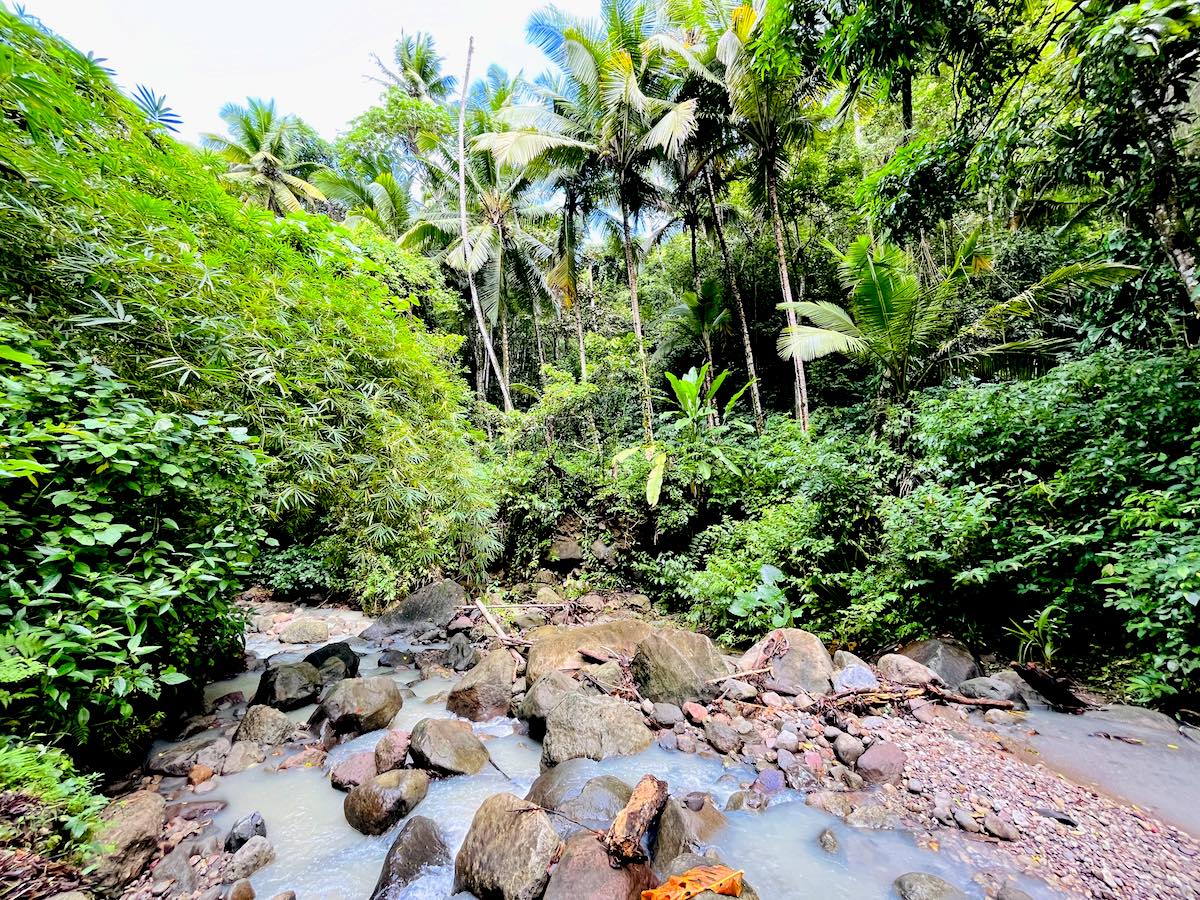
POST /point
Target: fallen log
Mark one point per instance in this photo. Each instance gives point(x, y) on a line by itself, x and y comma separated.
point(951, 697)
point(624, 839)
point(877, 696)
point(1057, 691)
point(505, 639)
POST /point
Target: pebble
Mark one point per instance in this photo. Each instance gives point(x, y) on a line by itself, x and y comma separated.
point(966, 821)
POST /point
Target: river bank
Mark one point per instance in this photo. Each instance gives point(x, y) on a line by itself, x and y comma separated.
point(767, 766)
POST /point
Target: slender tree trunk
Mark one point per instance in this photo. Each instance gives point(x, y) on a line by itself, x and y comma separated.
point(727, 264)
point(906, 102)
point(583, 373)
point(466, 237)
point(695, 266)
point(505, 360)
point(1179, 247)
point(631, 273)
point(799, 385)
point(537, 336)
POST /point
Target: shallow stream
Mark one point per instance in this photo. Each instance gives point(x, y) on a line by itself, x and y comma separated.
point(318, 855)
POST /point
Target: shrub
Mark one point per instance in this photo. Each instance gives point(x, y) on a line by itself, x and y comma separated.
point(45, 807)
point(125, 530)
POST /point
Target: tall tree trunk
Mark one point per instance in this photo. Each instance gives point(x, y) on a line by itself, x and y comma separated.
point(537, 336)
point(727, 264)
point(906, 101)
point(695, 265)
point(505, 360)
point(799, 384)
point(643, 365)
point(466, 237)
point(583, 374)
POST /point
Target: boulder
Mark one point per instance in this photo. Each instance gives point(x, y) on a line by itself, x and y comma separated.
point(128, 832)
point(355, 769)
point(557, 785)
point(359, 705)
point(987, 688)
point(903, 670)
point(264, 725)
point(674, 666)
point(249, 858)
point(447, 747)
point(305, 631)
point(805, 667)
point(854, 678)
point(507, 852)
point(558, 648)
point(396, 659)
point(433, 606)
point(338, 650)
point(565, 551)
point(682, 829)
point(243, 830)
point(923, 886)
point(485, 691)
point(542, 696)
point(391, 750)
point(180, 758)
point(844, 658)
point(882, 763)
point(418, 846)
point(176, 870)
point(376, 805)
point(288, 686)
point(462, 654)
point(242, 756)
point(594, 806)
point(952, 661)
point(595, 728)
point(585, 872)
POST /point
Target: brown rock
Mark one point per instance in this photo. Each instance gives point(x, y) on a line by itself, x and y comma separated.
point(199, 774)
point(558, 648)
point(129, 831)
point(508, 851)
point(391, 750)
point(882, 763)
point(485, 691)
point(376, 805)
point(356, 769)
point(585, 872)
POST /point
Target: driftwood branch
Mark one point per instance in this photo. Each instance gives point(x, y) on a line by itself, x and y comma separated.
point(624, 839)
point(877, 696)
point(499, 629)
point(736, 675)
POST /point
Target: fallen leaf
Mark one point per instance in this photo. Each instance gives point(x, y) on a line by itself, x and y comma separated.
point(694, 882)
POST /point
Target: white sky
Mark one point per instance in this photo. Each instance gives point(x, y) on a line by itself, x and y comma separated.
point(312, 56)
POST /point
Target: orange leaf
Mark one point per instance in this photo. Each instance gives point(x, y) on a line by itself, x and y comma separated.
point(694, 882)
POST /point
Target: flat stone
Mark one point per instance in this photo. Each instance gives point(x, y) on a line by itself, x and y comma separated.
point(882, 763)
point(593, 727)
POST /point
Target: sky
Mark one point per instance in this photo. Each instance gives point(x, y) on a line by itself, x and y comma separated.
point(312, 56)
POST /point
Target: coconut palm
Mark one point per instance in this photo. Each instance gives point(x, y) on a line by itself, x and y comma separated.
point(618, 108)
point(376, 196)
point(770, 111)
point(261, 151)
point(913, 331)
point(418, 69)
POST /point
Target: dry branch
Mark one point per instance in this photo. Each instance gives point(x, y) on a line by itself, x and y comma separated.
point(624, 839)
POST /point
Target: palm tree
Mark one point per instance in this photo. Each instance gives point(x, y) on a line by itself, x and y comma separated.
point(619, 106)
point(771, 112)
point(913, 332)
point(699, 316)
point(418, 69)
point(261, 152)
point(376, 195)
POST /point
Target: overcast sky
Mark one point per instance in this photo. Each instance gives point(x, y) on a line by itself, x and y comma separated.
point(312, 56)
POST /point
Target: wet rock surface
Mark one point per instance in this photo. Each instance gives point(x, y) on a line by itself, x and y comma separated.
point(508, 851)
point(379, 803)
point(593, 727)
point(447, 747)
point(417, 846)
point(486, 690)
point(359, 705)
point(431, 607)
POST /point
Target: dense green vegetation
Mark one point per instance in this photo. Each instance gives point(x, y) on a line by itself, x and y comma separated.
point(875, 319)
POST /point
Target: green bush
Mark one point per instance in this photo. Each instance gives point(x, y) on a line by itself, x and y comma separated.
point(45, 807)
point(125, 531)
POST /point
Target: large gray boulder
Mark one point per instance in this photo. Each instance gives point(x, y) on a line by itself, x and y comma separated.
point(987, 687)
point(950, 659)
point(288, 686)
point(595, 728)
point(676, 666)
point(508, 851)
point(179, 758)
point(359, 705)
point(418, 846)
point(585, 872)
point(376, 805)
point(486, 691)
point(543, 695)
point(433, 606)
point(592, 805)
point(305, 631)
point(800, 664)
point(339, 650)
point(905, 670)
point(447, 747)
point(923, 886)
point(264, 725)
point(129, 830)
point(558, 648)
point(686, 825)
